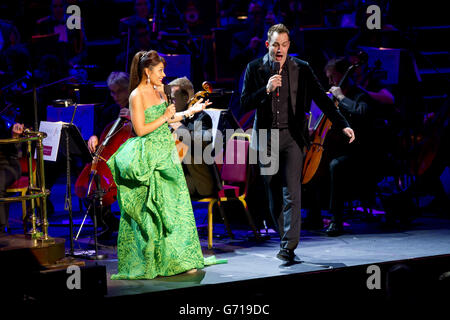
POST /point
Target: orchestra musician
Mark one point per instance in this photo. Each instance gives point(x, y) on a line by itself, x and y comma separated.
point(118, 87)
point(352, 165)
point(203, 180)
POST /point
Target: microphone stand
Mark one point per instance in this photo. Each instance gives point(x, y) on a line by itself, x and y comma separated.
point(97, 194)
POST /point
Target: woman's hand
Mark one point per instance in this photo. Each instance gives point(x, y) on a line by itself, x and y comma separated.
point(198, 107)
point(170, 112)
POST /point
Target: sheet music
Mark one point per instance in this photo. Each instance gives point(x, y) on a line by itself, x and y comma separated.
point(316, 113)
point(215, 117)
point(51, 143)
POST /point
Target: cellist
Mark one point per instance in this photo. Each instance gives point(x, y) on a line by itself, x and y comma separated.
point(352, 166)
point(118, 87)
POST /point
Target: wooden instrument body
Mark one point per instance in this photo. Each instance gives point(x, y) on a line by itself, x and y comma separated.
point(314, 155)
point(85, 184)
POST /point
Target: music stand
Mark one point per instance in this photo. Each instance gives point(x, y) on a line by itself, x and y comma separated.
point(75, 146)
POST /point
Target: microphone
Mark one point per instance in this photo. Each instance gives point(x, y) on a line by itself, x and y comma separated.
point(276, 70)
point(168, 92)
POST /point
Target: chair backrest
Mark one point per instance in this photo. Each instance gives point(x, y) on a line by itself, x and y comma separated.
point(246, 122)
point(235, 166)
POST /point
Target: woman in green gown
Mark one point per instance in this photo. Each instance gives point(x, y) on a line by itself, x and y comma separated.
point(157, 233)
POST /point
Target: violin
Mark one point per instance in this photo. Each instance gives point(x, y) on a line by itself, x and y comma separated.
point(207, 89)
point(182, 148)
point(97, 173)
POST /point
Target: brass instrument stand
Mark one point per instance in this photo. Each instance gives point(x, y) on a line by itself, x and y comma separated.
point(34, 191)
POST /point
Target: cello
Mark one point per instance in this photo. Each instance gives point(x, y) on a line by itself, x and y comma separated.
point(97, 173)
point(314, 154)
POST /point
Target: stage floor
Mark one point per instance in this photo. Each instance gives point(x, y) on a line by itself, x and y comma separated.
point(365, 244)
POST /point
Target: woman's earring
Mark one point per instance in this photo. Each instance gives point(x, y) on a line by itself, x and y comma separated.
point(148, 79)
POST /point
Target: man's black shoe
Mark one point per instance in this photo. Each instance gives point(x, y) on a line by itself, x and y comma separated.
point(334, 229)
point(288, 256)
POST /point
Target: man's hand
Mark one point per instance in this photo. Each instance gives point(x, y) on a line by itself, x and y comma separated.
point(349, 133)
point(273, 83)
point(125, 113)
point(337, 93)
point(17, 130)
point(92, 143)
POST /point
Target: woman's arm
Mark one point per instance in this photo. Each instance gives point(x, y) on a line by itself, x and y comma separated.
point(197, 107)
point(137, 111)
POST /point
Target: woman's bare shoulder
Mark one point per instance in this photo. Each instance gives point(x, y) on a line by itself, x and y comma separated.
point(135, 97)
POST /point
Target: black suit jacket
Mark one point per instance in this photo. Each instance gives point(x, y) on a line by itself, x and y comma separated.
point(303, 87)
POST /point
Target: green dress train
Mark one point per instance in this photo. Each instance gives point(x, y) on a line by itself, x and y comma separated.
point(157, 233)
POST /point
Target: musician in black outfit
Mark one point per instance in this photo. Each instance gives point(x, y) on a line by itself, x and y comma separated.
point(281, 100)
point(353, 165)
point(203, 180)
point(118, 87)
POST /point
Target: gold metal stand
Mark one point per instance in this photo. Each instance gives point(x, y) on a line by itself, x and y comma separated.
point(36, 191)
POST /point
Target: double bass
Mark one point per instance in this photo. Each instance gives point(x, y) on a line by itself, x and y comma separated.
point(97, 174)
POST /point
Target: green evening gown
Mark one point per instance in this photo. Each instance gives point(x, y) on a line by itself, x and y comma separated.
point(157, 233)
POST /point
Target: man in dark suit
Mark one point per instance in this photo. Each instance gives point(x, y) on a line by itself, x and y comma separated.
point(282, 98)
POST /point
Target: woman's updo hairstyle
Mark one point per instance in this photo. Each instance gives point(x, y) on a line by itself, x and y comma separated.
point(142, 60)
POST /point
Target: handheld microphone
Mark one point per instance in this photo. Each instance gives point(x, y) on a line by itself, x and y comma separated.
point(168, 92)
point(276, 70)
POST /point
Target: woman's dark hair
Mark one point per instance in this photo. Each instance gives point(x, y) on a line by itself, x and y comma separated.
point(142, 60)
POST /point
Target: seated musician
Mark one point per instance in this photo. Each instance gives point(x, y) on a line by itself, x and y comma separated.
point(202, 179)
point(351, 164)
point(118, 86)
point(9, 166)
